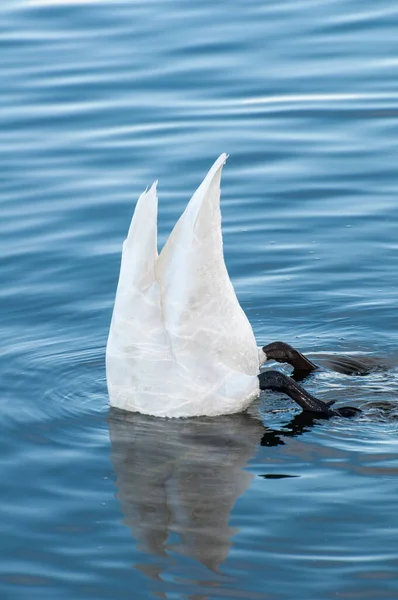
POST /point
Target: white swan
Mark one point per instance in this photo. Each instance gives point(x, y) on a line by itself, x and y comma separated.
point(180, 344)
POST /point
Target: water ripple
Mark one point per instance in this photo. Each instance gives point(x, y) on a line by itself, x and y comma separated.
point(98, 100)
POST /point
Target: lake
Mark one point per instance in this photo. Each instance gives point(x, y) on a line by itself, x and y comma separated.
point(99, 99)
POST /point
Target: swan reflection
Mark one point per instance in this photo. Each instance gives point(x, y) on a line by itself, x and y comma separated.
point(178, 480)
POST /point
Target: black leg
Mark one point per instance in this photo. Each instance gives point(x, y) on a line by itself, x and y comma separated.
point(274, 380)
point(282, 352)
point(348, 365)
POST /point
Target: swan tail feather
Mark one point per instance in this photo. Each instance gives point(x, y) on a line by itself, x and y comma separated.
point(201, 310)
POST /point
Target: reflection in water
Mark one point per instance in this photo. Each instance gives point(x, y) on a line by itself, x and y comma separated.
point(182, 477)
point(178, 479)
point(300, 423)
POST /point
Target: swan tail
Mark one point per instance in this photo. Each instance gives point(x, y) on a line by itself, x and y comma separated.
point(179, 343)
point(137, 337)
point(200, 308)
point(140, 246)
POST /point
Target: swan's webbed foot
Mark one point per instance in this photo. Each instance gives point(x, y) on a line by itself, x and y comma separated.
point(346, 411)
point(276, 381)
point(284, 353)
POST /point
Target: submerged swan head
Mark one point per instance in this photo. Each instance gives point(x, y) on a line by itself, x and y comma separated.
point(176, 317)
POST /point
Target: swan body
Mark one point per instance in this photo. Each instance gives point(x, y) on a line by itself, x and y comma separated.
point(180, 344)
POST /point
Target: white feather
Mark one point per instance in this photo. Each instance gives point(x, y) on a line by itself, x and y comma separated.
point(180, 344)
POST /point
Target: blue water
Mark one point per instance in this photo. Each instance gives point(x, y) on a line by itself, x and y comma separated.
point(98, 100)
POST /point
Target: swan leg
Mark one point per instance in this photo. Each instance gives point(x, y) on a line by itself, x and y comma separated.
point(347, 365)
point(276, 381)
point(284, 353)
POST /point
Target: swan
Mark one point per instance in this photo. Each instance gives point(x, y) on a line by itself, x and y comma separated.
point(179, 343)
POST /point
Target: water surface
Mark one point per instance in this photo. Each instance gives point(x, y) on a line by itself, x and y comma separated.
point(98, 99)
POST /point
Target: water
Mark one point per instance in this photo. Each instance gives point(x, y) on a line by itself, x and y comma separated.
point(97, 100)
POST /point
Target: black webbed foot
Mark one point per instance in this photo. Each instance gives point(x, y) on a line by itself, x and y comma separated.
point(352, 365)
point(274, 380)
point(346, 412)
